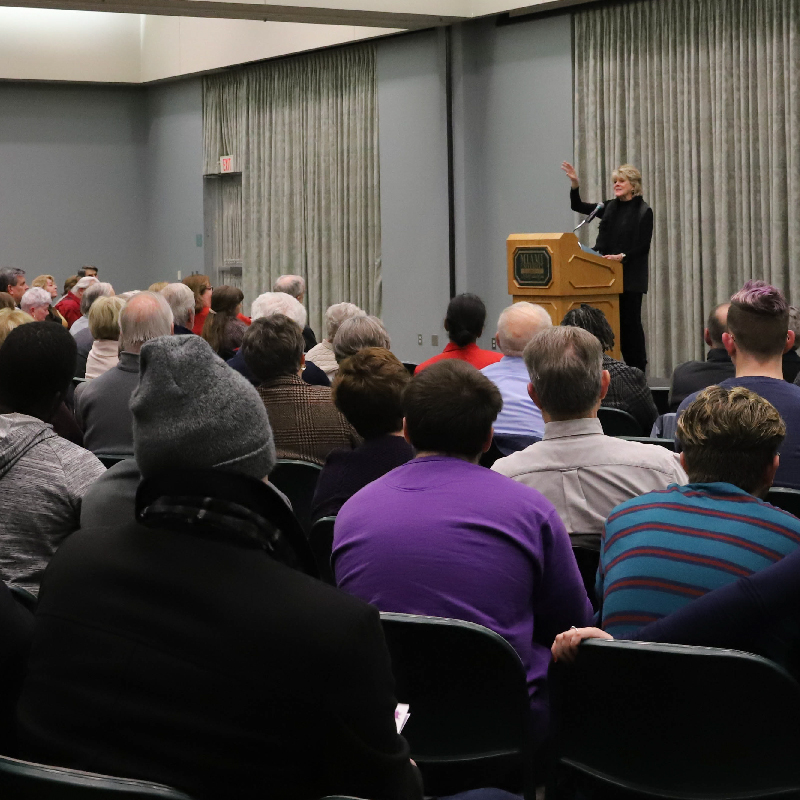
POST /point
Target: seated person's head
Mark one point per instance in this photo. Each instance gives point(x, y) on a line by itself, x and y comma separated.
point(517, 325)
point(449, 408)
point(88, 271)
point(368, 390)
point(358, 332)
point(145, 316)
point(82, 285)
point(6, 301)
point(716, 325)
point(337, 314)
point(11, 318)
point(593, 320)
point(192, 411)
point(293, 285)
point(93, 292)
point(466, 316)
point(104, 318)
point(37, 362)
point(565, 365)
point(69, 283)
point(758, 322)
point(273, 347)
point(36, 302)
point(269, 303)
point(47, 282)
point(181, 301)
point(731, 435)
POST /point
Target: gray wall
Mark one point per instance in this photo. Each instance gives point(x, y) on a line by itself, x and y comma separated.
point(174, 179)
point(71, 182)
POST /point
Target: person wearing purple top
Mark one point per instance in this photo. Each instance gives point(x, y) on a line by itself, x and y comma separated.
point(442, 536)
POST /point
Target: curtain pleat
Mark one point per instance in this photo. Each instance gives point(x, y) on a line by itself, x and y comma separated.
point(702, 96)
point(304, 133)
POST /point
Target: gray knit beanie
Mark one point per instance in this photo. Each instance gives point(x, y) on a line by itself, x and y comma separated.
point(192, 411)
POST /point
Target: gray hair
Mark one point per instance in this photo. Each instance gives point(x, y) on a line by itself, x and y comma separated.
point(145, 316)
point(9, 276)
point(518, 324)
point(84, 283)
point(290, 284)
point(269, 303)
point(356, 333)
point(34, 298)
point(565, 365)
point(181, 300)
point(94, 289)
point(337, 314)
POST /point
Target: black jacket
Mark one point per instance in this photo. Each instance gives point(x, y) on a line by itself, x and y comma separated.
point(626, 230)
point(206, 665)
point(692, 376)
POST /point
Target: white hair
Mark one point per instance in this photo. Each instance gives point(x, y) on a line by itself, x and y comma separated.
point(518, 324)
point(269, 303)
point(290, 284)
point(83, 283)
point(145, 316)
point(95, 290)
point(357, 333)
point(337, 314)
point(34, 298)
point(181, 300)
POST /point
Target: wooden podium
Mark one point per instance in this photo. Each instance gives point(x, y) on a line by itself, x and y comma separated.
point(551, 270)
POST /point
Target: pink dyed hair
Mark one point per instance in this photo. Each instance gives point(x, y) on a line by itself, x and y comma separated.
point(760, 297)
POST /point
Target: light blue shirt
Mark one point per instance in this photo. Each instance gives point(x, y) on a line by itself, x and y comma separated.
point(519, 415)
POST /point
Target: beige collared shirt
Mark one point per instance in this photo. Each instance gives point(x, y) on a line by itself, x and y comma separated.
point(585, 473)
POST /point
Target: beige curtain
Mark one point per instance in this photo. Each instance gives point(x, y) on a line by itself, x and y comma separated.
point(702, 96)
point(304, 133)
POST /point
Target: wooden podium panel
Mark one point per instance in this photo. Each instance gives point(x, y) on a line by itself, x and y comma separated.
point(551, 270)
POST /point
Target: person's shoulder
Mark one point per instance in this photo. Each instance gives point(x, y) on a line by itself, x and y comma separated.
point(649, 500)
point(531, 459)
point(432, 360)
point(73, 457)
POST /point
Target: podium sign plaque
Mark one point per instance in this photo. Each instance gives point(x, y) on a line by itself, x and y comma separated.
point(551, 270)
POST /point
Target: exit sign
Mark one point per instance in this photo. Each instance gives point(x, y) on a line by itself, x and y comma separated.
point(226, 164)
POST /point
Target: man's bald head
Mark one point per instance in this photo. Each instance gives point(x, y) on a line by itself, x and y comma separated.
point(517, 325)
point(146, 316)
point(717, 325)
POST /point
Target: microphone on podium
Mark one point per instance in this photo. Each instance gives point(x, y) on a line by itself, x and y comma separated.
point(597, 209)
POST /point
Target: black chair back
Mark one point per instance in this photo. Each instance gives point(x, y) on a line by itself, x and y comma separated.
point(23, 780)
point(617, 422)
point(321, 540)
point(588, 559)
point(669, 444)
point(787, 499)
point(410, 366)
point(646, 720)
point(297, 480)
point(469, 707)
point(25, 598)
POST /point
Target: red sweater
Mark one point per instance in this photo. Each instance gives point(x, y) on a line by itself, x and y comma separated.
point(470, 353)
point(70, 308)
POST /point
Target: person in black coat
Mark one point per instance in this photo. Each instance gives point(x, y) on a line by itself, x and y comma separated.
point(176, 647)
point(626, 230)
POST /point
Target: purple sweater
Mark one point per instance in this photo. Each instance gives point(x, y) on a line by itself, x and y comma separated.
point(443, 537)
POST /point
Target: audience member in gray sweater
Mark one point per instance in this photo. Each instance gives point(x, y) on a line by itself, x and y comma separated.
point(42, 476)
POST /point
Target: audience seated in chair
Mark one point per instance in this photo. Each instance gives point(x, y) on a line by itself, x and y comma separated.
point(692, 376)
point(628, 389)
point(179, 649)
point(666, 548)
point(69, 306)
point(583, 472)
point(368, 390)
point(445, 537)
point(295, 286)
point(757, 337)
point(322, 354)
point(92, 293)
point(466, 316)
point(181, 301)
point(791, 360)
point(36, 302)
point(265, 305)
point(42, 476)
point(102, 405)
point(12, 282)
point(104, 326)
point(223, 330)
point(305, 423)
point(358, 332)
point(519, 422)
point(48, 283)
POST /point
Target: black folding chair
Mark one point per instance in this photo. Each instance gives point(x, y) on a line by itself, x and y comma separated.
point(787, 499)
point(669, 444)
point(297, 480)
point(23, 780)
point(320, 538)
point(617, 422)
point(588, 559)
point(641, 720)
point(469, 707)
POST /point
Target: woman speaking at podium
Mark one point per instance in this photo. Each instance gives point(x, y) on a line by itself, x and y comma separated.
point(626, 229)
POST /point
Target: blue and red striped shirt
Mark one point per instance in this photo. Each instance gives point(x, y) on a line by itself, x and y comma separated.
point(666, 548)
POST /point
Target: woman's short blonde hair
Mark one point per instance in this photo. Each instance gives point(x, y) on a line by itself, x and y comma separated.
point(629, 173)
point(104, 317)
point(40, 281)
point(157, 287)
point(11, 318)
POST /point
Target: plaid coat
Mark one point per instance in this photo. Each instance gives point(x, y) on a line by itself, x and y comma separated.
point(305, 423)
point(629, 391)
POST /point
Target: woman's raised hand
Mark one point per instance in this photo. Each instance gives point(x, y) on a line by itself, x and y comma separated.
point(571, 174)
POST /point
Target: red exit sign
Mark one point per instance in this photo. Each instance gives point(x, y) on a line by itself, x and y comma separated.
point(226, 164)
